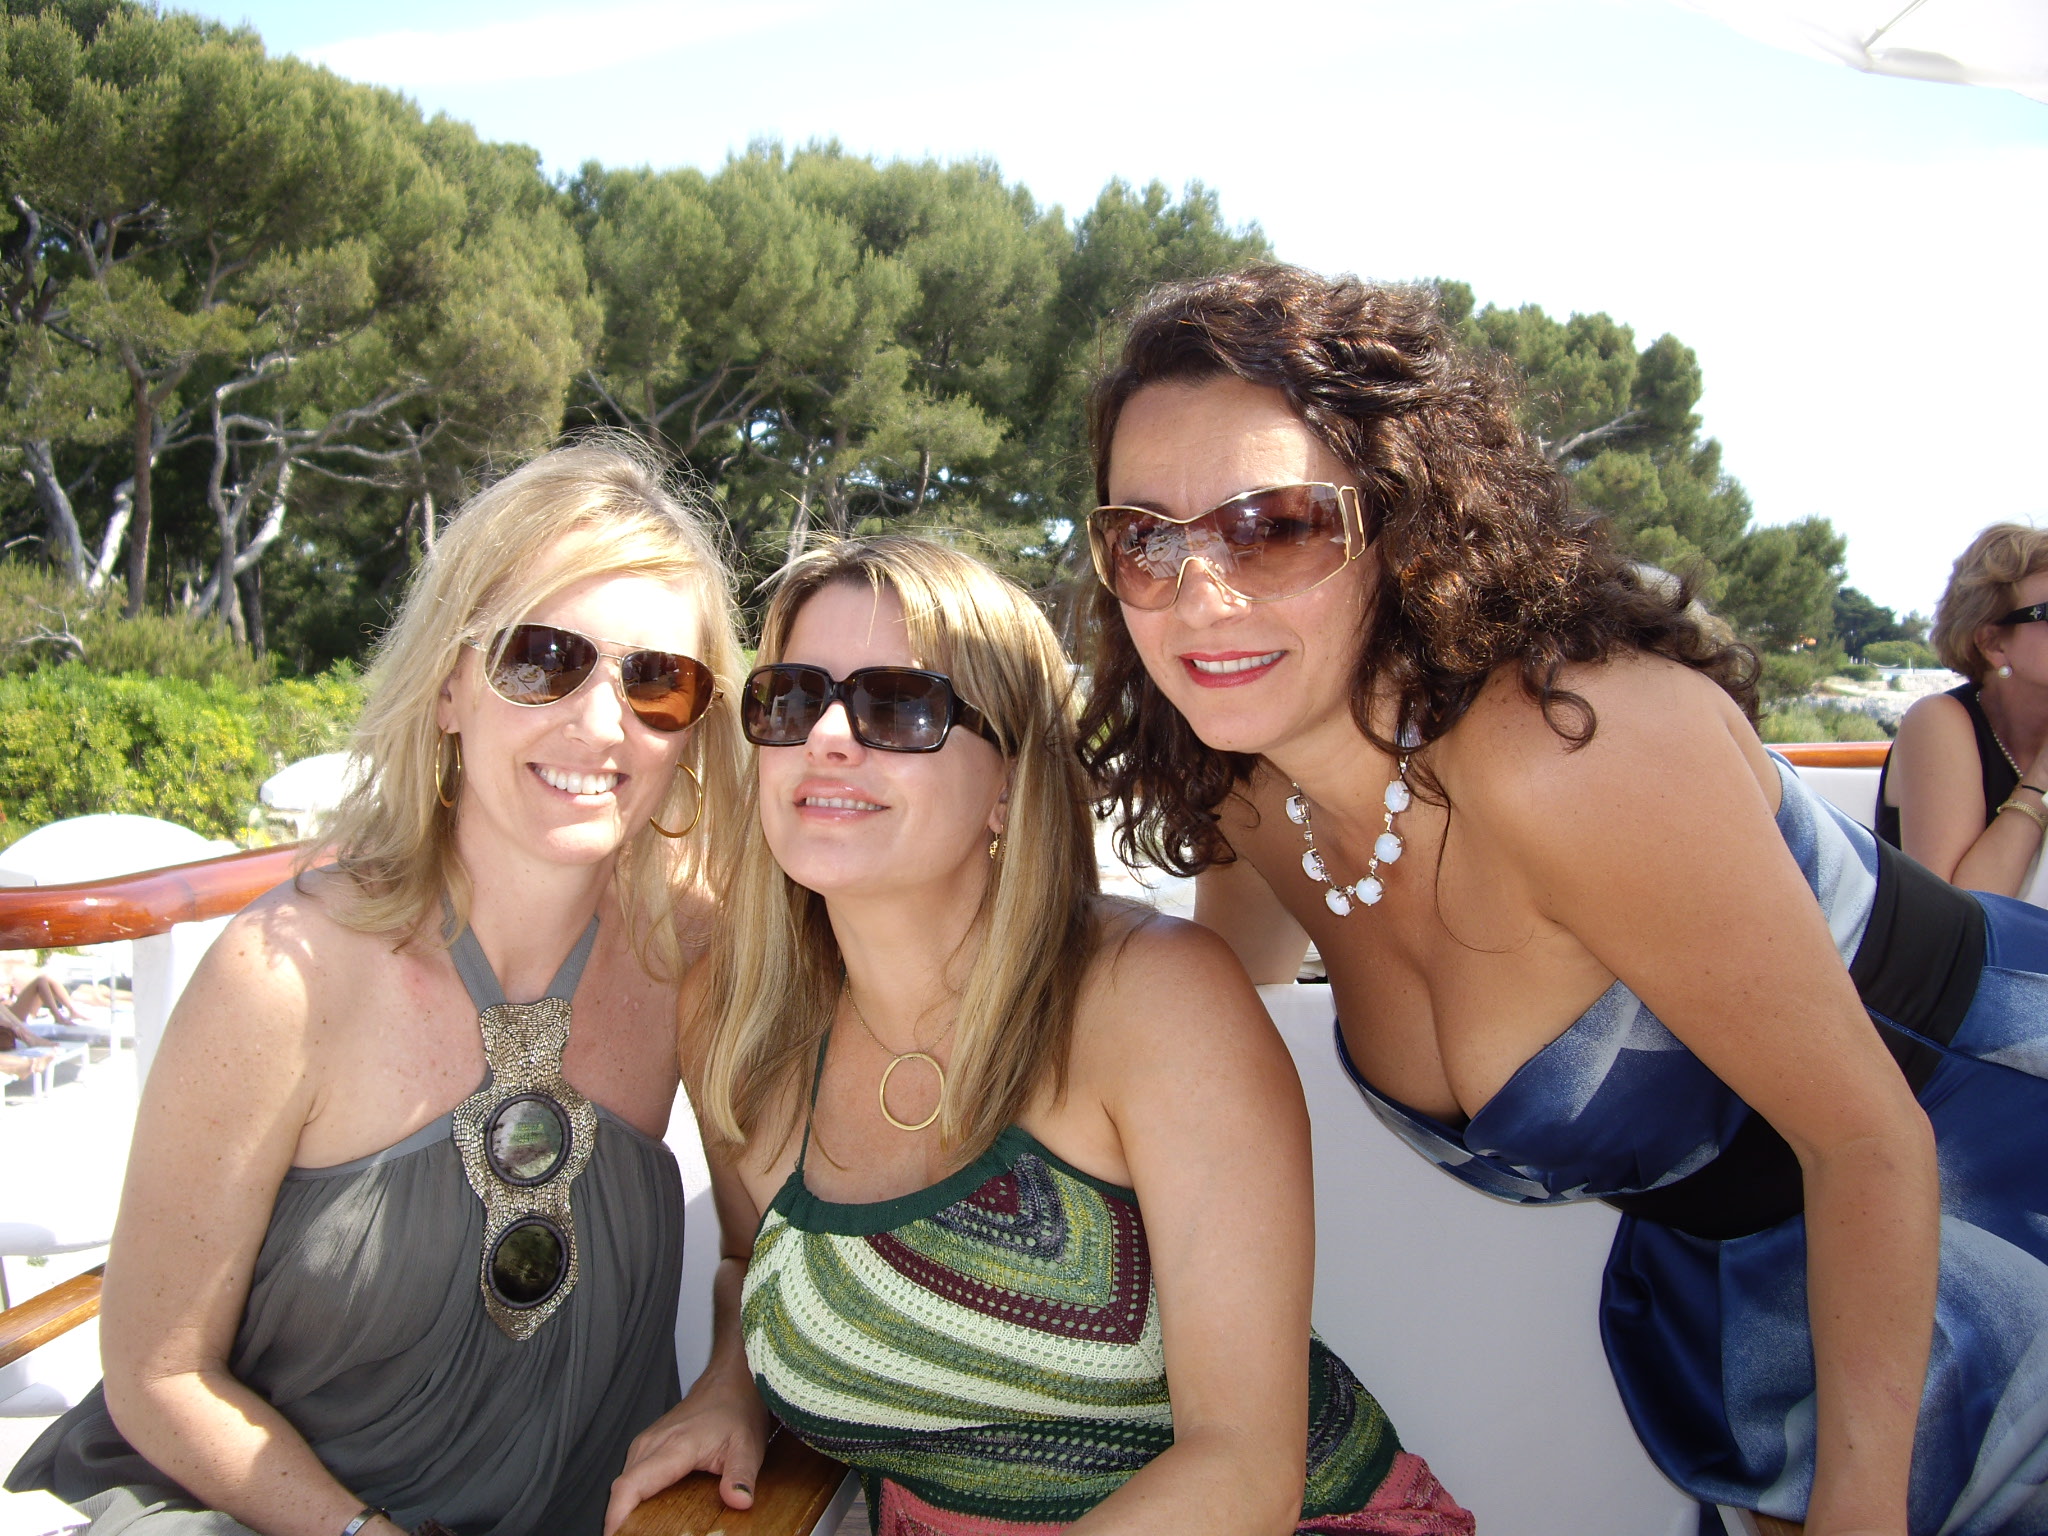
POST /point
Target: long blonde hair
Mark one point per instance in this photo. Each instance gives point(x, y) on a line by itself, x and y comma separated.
point(501, 555)
point(774, 973)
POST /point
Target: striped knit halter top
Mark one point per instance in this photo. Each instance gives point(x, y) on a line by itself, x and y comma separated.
point(986, 1354)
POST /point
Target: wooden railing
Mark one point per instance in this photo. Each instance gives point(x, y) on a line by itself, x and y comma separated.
point(135, 906)
point(1836, 754)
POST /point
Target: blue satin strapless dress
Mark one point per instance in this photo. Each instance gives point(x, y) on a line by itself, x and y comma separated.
point(1708, 1339)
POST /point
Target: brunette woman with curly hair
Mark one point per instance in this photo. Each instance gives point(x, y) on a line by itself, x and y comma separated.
point(1365, 671)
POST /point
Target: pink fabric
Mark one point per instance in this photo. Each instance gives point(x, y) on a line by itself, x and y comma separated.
point(1409, 1502)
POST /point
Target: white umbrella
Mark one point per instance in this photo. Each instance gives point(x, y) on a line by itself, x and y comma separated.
point(1959, 42)
point(306, 791)
point(100, 847)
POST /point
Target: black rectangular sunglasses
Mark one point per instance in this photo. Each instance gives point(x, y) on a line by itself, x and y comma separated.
point(889, 709)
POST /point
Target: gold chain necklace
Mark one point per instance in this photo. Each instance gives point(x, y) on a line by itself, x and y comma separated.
point(897, 1058)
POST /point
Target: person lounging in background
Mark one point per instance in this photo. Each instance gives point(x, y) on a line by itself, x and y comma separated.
point(400, 1242)
point(1366, 672)
point(1965, 790)
point(1013, 1181)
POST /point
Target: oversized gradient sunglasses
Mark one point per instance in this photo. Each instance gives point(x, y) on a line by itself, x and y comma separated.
point(891, 709)
point(2033, 613)
point(537, 664)
point(1261, 545)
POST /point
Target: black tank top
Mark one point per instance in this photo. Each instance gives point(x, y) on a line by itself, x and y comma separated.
point(2000, 778)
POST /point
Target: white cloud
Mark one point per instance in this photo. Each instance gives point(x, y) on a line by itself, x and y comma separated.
point(550, 46)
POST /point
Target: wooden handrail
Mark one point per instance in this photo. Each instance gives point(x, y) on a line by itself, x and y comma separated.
point(135, 906)
point(1835, 754)
point(42, 1318)
point(794, 1488)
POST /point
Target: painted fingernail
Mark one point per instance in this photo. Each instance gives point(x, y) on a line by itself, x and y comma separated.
point(744, 1487)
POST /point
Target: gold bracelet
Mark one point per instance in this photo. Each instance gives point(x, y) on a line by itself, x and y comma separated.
point(2033, 813)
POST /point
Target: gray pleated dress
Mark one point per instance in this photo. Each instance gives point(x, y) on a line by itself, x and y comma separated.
point(366, 1328)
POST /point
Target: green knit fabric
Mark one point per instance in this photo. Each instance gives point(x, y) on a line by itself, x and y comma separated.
point(992, 1344)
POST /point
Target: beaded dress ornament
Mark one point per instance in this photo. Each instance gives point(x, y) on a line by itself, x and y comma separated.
point(1386, 849)
point(524, 1137)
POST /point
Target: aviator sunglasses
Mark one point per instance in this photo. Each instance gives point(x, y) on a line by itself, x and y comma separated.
point(536, 664)
point(2033, 613)
point(890, 709)
point(1260, 545)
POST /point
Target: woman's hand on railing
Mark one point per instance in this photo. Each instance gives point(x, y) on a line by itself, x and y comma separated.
point(720, 1427)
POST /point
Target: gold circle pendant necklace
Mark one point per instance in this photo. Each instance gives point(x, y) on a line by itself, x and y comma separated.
point(896, 1059)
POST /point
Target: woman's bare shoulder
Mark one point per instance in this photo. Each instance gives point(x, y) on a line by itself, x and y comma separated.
point(1153, 972)
point(289, 959)
point(1622, 716)
point(1939, 717)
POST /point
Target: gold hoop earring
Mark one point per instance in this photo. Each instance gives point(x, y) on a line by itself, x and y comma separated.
point(441, 789)
point(696, 815)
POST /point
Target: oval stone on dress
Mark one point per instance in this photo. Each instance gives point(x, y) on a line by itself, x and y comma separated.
point(1312, 866)
point(1337, 902)
point(1387, 847)
point(1397, 796)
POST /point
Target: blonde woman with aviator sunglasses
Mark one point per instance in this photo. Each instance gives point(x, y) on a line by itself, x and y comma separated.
point(400, 1242)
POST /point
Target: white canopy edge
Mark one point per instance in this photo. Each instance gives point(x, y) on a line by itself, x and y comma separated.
point(2002, 43)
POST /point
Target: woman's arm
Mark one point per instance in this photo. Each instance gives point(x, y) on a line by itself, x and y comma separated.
point(1234, 901)
point(1937, 784)
point(219, 1122)
point(721, 1425)
point(1655, 846)
point(1208, 1109)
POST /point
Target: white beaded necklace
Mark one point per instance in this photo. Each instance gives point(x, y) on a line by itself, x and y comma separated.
point(1386, 849)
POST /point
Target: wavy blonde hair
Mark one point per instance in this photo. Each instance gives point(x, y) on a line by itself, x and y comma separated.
point(775, 971)
point(510, 548)
point(1980, 589)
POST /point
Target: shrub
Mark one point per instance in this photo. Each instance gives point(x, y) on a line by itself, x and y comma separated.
point(1820, 722)
point(1788, 675)
point(73, 742)
point(46, 622)
point(303, 716)
point(1900, 653)
point(1860, 672)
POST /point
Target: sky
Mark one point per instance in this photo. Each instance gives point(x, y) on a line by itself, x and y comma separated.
point(1856, 259)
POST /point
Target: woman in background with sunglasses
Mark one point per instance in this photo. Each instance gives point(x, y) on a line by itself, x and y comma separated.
point(400, 1241)
point(962, 1114)
point(1365, 671)
point(1963, 789)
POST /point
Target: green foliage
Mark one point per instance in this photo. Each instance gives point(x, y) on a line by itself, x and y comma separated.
point(1820, 722)
point(835, 344)
point(1900, 653)
point(328, 317)
point(74, 742)
point(1622, 422)
point(302, 717)
point(1792, 674)
point(44, 621)
point(1859, 621)
point(1781, 582)
point(1860, 672)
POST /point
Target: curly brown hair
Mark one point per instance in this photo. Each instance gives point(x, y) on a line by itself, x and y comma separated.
point(1483, 560)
